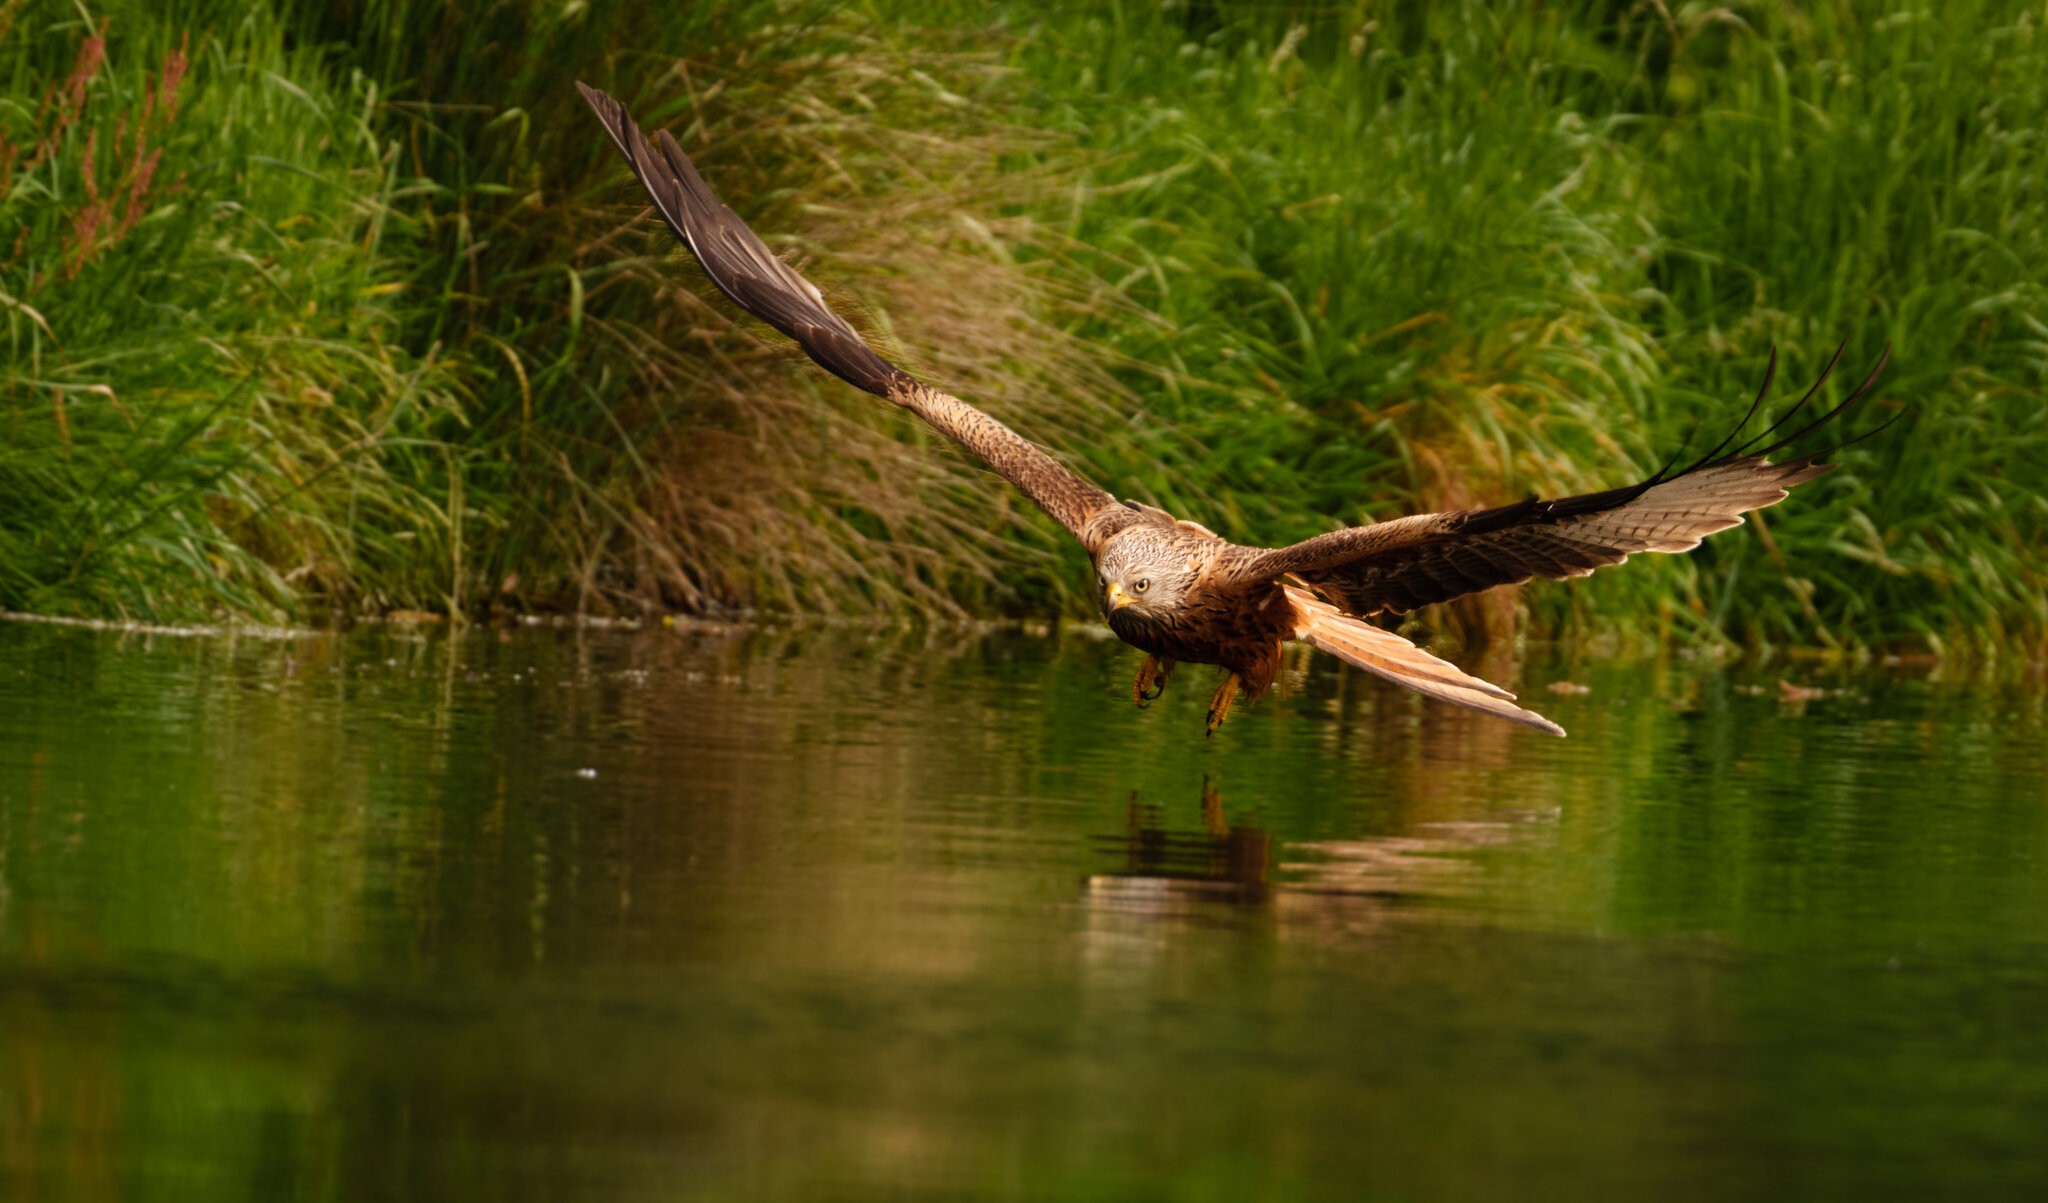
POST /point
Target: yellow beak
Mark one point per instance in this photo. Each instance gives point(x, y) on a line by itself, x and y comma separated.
point(1118, 599)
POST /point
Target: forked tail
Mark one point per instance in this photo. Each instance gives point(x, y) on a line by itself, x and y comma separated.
point(1387, 655)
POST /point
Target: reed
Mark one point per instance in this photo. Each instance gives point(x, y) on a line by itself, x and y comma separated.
point(1422, 255)
point(330, 309)
point(401, 344)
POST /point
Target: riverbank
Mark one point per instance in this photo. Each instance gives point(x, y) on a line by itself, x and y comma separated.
point(345, 310)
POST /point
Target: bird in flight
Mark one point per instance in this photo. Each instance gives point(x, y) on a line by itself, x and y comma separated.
point(1175, 590)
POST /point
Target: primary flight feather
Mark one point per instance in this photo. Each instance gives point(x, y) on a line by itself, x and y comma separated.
point(1177, 591)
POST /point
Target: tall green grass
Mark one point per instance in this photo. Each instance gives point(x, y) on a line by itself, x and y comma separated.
point(384, 338)
point(1424, 255)
point(203, 412)
point(393, 329)
point(642, 450)
point(1446, 255)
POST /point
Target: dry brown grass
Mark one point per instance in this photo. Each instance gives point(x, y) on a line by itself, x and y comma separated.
point(785, 490)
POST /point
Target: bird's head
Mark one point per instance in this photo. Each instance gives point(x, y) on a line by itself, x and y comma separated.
point(1141, 582)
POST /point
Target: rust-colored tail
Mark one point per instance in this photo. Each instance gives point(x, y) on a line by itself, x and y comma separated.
point(1385, 654)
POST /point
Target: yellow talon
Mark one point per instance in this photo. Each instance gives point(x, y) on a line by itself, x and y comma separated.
point(1219, 706)
point(1150, 681)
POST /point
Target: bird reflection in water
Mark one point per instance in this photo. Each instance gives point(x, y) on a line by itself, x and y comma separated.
point(1318, 883)
point(1222, 862)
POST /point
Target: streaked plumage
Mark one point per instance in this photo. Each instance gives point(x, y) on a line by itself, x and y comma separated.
point(1174, 589)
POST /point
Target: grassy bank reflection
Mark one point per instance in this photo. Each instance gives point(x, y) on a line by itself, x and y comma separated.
point(553, 914)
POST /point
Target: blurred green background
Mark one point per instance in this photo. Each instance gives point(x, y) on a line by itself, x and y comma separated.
point(318, 310)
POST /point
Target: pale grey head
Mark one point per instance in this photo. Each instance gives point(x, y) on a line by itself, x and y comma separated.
point(1144, 578)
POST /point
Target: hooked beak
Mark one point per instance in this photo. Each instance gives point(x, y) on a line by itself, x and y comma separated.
point(1116, 596)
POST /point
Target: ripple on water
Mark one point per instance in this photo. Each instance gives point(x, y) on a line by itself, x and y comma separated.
point(554, 913)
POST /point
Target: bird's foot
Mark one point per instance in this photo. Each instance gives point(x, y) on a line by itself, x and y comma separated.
point(1150, 681)
point(1219, 706)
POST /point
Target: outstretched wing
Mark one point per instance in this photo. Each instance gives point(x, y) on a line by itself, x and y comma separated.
point(745, 270)
point(1411, 562)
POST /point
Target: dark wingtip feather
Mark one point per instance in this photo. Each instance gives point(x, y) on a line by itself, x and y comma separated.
point(734, 257)
point(1811, 392)
point(610, 113)
point(1859, 393)
point(1770, 374)
point(1750, 449)
point(1533, 510)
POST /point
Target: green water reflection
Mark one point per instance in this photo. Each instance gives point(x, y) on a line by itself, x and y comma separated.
point(834, 915)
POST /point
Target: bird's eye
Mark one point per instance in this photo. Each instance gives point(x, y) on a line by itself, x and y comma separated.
point(1143, 583)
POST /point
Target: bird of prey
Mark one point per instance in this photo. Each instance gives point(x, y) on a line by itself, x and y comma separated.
point(1178, 592)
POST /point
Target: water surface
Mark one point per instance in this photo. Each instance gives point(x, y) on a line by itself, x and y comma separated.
point(839, 915)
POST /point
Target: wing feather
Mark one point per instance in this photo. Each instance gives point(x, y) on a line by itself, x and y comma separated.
point(748, 273)
point(1411, 562)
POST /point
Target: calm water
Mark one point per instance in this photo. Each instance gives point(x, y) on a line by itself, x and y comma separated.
point(560, 915)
